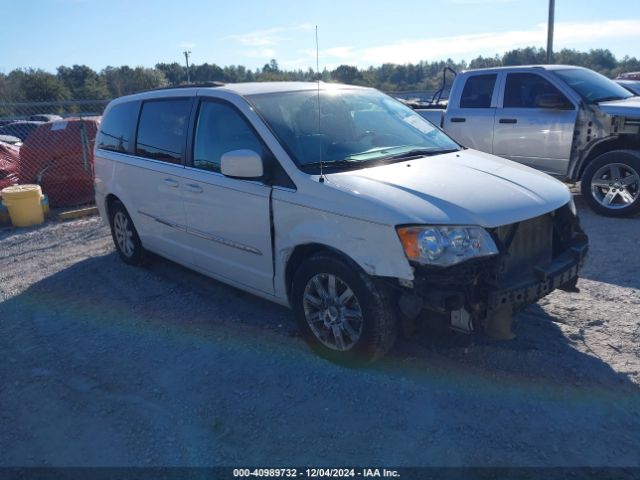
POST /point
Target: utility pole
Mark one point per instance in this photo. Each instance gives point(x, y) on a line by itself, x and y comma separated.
point(550, 32)
point(186, 59)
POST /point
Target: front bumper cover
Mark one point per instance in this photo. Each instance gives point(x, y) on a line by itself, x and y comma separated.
point(561, 271)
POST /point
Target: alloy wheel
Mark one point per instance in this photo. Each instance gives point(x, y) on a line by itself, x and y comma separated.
point(615, 185)
point(123, 233)
point(333, 312)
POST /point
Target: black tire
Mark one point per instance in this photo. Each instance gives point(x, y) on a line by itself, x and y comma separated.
point(628, 163)
point(378, 325)
point(119, 219)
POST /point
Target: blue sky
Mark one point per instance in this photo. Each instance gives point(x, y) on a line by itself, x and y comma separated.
point(48, 33)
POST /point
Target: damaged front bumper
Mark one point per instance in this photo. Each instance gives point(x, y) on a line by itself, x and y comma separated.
point(482, 294)
point(561, 272)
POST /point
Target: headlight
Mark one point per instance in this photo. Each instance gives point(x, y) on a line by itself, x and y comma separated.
point(445, 245)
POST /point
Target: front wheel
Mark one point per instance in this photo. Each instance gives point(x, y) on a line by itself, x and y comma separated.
point(611, 183)
point(344, 315)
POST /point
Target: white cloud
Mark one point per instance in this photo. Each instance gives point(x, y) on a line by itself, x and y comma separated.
point(339, 52)
point(267, 37)
point(566, 34)
point(266, 53)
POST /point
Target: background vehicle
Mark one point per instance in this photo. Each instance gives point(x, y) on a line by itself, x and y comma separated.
point(337, 201)
point(44, 117)
point(632, 85)
point(20, 129)
point(629, 76)
point(567, 121)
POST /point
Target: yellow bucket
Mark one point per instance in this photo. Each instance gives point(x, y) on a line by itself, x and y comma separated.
point(24, 204)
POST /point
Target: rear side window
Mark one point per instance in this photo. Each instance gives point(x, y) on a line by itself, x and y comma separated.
point(524, 90)
point(116, 128)
point(221, 129)
point(477, 91)
point(162, 129)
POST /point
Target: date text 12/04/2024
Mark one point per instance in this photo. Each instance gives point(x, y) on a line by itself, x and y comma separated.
point(316, 472)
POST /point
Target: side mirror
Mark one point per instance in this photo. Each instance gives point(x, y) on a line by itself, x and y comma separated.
point(242, 164)
point(551, 100)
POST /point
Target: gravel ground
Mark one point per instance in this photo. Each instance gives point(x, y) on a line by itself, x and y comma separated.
point(109, 365)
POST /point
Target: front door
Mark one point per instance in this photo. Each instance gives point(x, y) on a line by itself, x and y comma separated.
point(228, 219)
point(470, 121)
point(526, 132)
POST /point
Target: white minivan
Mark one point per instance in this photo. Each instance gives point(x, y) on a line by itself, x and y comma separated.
point(337, 201)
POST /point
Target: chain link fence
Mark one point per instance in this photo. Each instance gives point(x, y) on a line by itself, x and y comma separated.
point(50, 144)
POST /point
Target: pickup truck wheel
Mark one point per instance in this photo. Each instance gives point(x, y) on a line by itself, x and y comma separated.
point(344, 315)
point(611, 183)
point(125, 236)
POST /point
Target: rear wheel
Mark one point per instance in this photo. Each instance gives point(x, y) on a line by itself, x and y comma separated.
point(125, 236)
point(344, 315)
point(611, 183)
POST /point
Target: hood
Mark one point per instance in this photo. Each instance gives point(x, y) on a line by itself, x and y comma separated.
point(629, 107)
point(467, 187)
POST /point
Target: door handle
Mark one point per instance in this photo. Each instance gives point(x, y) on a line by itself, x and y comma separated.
point(508, 120)
point(458, 120)
point(194, 188)
point(170, 182)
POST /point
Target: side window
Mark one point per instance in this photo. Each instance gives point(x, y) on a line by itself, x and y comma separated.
point(528, 90)
point(221, 129)
point(162, 129)
point(117, 127)
point(477, 91)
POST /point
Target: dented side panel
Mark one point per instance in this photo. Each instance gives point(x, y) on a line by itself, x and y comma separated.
point(375, 247)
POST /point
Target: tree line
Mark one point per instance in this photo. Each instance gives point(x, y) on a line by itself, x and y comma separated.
point(80, 82)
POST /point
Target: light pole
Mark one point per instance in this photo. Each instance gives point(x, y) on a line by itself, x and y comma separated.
point(550, 32)
point(186, 59)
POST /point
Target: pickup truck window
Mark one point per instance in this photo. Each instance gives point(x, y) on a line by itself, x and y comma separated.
point(477, 91)
point(592, 86)
point(527, 90)
point(353, 128)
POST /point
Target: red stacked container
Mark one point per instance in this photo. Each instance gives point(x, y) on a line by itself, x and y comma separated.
point(58, 156)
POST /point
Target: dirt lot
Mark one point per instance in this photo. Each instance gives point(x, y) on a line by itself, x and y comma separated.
point(105, 364)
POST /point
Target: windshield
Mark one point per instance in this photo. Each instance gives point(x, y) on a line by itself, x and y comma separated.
point(355, 128)
point(592, 86)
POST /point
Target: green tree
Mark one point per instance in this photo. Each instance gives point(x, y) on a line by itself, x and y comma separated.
point(173, 72)
point(524, 56)
point(124, 80)
point(346, 74)
point(83, 83)
point(41, 86)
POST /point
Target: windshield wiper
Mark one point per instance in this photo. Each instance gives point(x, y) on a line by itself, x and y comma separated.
point(332, 163)
point(422, 152)
point(608, 99)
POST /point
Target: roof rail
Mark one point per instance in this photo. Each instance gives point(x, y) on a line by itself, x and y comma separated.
point(187, 85)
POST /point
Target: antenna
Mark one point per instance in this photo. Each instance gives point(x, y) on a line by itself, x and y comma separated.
point(321, 179)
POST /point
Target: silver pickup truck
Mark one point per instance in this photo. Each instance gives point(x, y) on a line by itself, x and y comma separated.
point(570, 122)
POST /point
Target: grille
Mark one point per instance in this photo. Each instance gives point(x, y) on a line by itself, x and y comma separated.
point(531, 246)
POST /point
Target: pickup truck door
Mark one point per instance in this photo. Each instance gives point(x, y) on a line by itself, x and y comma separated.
point(228, 219)
point(469, 116)
point(529, 129)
